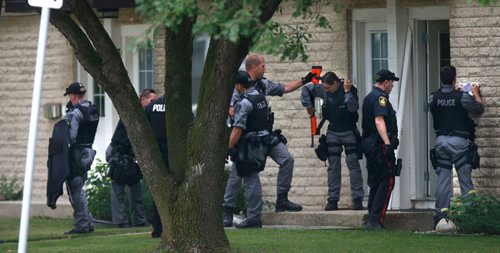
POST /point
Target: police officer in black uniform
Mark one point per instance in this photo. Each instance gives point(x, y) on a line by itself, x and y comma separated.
point(155, 113)
point(340, 108)
point(82, 117)
point(455, 133)
point(124, 171)
point(379, 142)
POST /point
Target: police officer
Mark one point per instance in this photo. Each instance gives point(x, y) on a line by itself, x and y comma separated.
point(255, 67)
point(341, 110)
point(82, 118)
point(155, 113)
point(122, 148)
point(454, 128)
point(379, 142)
point(250, 126)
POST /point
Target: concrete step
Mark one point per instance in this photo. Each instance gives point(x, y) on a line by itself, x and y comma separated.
point(395, 220)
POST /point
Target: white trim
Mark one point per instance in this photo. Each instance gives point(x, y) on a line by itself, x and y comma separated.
point(369, 29)
point(430, 13)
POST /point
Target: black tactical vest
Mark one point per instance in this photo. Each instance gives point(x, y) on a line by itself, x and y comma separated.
point(449, 114)
point(335, 111)
point(257, 119)
point(88, 126)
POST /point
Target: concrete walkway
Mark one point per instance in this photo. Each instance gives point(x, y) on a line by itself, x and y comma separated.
point(412, 220)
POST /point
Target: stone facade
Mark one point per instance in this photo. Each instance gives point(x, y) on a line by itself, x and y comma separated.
point(475, 52)
point(18, 45)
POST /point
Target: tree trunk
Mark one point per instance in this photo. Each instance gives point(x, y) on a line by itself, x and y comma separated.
point(189, 193)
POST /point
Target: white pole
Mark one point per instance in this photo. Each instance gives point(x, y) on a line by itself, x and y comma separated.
point(33, 135)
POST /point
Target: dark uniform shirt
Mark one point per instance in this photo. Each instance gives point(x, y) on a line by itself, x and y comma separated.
point(375, 104)
point(155, 113)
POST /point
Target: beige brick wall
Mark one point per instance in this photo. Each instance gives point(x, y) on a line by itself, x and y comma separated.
point(18, 44)
point(475, 52)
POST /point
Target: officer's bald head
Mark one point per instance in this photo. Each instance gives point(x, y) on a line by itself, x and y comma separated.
point(252, 60)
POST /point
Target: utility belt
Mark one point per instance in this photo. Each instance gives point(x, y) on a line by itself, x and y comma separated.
point(463, 134)
point(343, 128)
point(472, 154)
point(82, 145)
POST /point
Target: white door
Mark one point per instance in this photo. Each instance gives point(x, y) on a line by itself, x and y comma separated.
point(432, 48)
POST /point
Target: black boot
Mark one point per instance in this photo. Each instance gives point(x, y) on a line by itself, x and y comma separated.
point(228, 216)
point(357, 204)
point(249, 224)
point(331, 205)
point(283, 204)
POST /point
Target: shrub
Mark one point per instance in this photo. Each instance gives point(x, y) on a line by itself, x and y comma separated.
point(475, 213)
point(97, 188)
point(9, 189)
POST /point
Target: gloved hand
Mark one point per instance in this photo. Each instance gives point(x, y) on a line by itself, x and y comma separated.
point(308, 78)
point(388, 152)
point(233, 153)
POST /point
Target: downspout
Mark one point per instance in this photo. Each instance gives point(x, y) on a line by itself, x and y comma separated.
point(402, 97)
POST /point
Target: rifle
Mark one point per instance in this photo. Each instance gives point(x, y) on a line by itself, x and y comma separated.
point(316, 70)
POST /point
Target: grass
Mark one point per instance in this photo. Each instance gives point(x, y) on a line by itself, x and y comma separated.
point(46, 235)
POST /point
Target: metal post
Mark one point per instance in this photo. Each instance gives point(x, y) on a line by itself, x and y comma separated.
point(33, 135)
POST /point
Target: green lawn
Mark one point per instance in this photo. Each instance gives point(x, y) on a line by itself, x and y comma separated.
point(46, 235)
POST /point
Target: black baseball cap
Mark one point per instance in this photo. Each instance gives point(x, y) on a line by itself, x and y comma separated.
point(243, 78)
point(385, 74)
point(75, 88)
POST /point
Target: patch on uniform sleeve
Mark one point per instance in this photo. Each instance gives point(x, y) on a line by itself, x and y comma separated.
point(382, 101)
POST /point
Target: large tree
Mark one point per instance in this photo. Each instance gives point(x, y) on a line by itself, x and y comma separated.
point(189, 192)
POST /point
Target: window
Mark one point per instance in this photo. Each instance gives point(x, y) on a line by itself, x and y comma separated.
point(200, 48)
point(145, 69)
point(379, 52)
point(444, 49)
point(99, 99)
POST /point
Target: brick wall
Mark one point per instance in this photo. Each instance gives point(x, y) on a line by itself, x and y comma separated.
point(18, 44)
point(475, 52)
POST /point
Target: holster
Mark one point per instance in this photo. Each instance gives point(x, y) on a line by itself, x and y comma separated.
point(278, 134)
point(251, 155)
point(122, 167)
point(433, 158)
point(322, 149)
point(397, 167)
point(474, 157)
point(359, 144)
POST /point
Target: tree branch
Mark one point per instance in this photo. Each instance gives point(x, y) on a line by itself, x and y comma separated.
point(84, 50)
